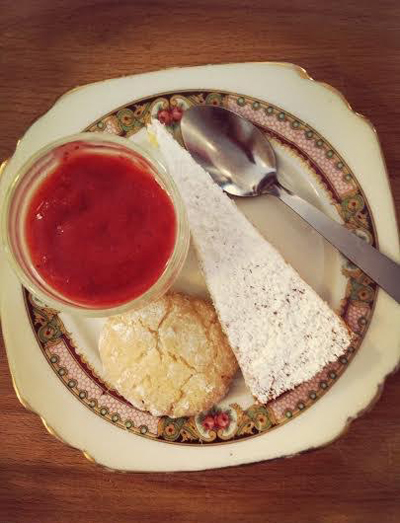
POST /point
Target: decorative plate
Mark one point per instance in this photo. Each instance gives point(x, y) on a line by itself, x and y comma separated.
point(328, 154)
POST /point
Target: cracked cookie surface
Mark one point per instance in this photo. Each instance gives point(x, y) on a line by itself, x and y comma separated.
point(169, 358)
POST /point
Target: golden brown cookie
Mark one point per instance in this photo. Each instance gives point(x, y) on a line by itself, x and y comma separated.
point(169, 358)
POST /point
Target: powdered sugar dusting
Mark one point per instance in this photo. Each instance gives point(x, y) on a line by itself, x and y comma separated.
point(282, 332)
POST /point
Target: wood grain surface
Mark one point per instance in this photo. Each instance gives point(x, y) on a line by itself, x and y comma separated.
point(50, 46)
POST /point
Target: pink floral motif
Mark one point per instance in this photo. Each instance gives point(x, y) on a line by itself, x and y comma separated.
point(216, 419)
point(170, 116)
point(164, 116)
point(208, 422)
point(176, 113)
point(222, 420)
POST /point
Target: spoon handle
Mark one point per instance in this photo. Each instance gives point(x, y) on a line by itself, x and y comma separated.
point(385, 272)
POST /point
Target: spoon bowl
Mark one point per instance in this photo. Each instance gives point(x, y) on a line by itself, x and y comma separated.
point(231, 149)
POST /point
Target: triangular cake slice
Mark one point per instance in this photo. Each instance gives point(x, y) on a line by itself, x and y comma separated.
point(281, 331)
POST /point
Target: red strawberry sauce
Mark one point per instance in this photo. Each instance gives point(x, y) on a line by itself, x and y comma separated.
point(100, 229)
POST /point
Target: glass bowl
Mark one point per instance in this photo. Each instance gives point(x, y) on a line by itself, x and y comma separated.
point(16, 204)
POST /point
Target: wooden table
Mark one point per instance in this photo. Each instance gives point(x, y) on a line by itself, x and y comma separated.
point(50, 46)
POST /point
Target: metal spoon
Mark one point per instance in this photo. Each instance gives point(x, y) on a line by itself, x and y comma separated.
point(242, 161)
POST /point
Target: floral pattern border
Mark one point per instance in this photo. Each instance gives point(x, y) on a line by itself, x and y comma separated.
point(232, 423)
